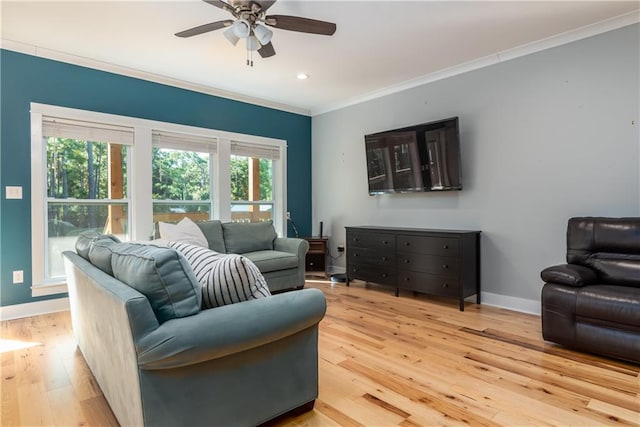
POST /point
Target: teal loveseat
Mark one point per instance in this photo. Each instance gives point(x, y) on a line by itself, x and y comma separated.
point(281, 260)
point(161, 360)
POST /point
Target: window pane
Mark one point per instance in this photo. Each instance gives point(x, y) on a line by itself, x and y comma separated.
point(251, 179)
point(65, 221)
point(180, 175)
point(174, 212)
point(251, 212)
point(85, 169)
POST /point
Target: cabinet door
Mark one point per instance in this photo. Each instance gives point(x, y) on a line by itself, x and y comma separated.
point(315, 262)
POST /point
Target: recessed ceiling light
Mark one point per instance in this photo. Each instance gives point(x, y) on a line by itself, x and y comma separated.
point(303, 76)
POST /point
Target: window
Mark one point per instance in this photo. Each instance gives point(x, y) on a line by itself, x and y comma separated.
point(120, 175)
point(86, 186)
point(251, 183)
point(182, 177)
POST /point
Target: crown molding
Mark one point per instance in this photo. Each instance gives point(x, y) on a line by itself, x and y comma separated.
point(55, 55)
point(496, 58)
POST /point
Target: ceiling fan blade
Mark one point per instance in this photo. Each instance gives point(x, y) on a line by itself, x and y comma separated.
point(205, 28)
point(267, 50)
point(265, 4)
point(302, 25)
point(221, 5)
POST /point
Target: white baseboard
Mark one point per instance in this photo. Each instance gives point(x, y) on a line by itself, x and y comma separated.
point(33, 308)
point(487, 298)
point(511, 303)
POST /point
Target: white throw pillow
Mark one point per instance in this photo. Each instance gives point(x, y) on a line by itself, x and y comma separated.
point(225, 278)
point(185, 231)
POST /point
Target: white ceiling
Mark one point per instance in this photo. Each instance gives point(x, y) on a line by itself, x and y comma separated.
point(378, 45)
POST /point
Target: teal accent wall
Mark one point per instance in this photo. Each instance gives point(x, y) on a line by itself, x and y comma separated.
point(25, 79)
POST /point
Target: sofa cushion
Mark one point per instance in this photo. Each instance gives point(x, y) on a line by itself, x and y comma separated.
point(185, 231)
point(212, 231)
point(609, 303)
point(616, 268)
point(162, 275)
point(83, 242)
point(242, 237)
point(100, 253)
point(225, 278)
point(268, 261)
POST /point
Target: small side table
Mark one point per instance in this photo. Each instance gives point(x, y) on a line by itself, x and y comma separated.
point(316, 260)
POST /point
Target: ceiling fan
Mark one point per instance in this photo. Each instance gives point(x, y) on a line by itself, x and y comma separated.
point(251, 22)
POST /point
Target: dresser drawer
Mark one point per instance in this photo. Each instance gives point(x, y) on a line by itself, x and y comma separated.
point(371, 240)
point(373, 274)
point(381, 257)
point(439, 265)
point(428, 283)
point(317, 246)
point(444, 246)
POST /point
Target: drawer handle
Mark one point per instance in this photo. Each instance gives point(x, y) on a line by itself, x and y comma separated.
point(407, 244)
point(406, 279)
point(445, 246)
point(445, 266)
point(384, 242)
point(406, 261)
point(355, 239)
point(384, 275)
point(384, 258)
point(445, 285)
point(355, 254)
point(355, 270)
point(311, 264)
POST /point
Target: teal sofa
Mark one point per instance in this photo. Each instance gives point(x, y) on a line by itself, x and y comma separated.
point(161, 360)
point(281, 260)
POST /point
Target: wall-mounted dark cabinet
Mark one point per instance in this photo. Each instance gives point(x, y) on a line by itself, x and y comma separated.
point(436, 262)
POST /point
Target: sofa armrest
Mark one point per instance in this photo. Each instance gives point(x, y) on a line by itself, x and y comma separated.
point(221, 331)
point(569, 274)
point(292, 245)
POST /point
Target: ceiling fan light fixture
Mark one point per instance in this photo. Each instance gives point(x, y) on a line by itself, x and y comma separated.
point(230, 34)
point(241, 28)
point(263, 34)
point(253, 43)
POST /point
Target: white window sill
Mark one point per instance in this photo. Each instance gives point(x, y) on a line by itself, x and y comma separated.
point(50, 289)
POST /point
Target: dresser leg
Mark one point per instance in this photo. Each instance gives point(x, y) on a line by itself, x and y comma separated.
point(397, 292)
point(461, 304)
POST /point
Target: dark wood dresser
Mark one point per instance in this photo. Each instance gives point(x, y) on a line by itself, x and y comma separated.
point(436, 262)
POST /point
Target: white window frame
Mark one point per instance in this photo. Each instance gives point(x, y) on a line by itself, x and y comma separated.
point(139, 181)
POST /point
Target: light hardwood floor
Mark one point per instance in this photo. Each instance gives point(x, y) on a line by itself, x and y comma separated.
point(384, 361)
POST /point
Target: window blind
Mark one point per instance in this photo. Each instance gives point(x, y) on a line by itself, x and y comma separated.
point(261, 151)
point(86, 131)
point(184, 142)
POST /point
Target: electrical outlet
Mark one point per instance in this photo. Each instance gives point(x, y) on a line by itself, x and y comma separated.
point(340, 248)
point(18, 277)
point(288, 215)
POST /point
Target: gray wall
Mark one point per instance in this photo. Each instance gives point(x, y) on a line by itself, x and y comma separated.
point(543, 137)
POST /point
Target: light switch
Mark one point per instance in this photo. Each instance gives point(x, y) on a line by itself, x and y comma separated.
point(14, 192)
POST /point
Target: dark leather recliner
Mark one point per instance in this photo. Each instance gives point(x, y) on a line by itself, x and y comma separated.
point(592, 303)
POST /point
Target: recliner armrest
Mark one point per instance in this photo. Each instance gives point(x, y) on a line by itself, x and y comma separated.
point(569, 274)
point(221, 331)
